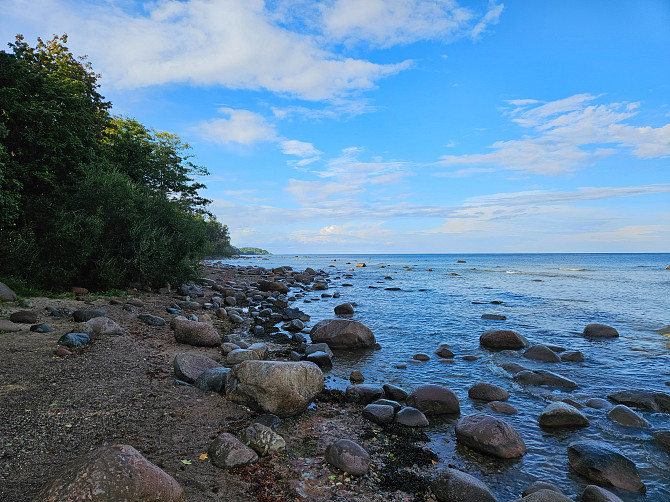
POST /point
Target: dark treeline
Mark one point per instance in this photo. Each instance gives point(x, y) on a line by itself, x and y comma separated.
point(88, 198)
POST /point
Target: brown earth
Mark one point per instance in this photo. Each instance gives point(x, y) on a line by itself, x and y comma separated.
point(121, 389)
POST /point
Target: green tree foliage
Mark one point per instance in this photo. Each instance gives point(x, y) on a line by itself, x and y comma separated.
point(218, 239)
point(86, 198)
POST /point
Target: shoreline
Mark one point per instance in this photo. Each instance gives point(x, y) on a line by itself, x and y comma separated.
point(400, 456)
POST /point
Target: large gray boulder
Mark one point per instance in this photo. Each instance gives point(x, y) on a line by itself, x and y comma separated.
point(502, 339)
point(348, 456)
point(411, 417)
point(104, 326)
point(282, 388)
point(87, 314)
point(662, 439)
point(561, 414)
point(490, 435)
point(434, 400)
point(343, 334)
point(604, 465)
point(117, 472)
point(6, 294)
point(198, 334)
point(362, 393)
point(451, 485)
point(188, 367)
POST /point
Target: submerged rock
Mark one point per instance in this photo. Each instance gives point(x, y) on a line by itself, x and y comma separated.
point(542, 353)
point(604, 465)
point(543, 378)
point(646, 400)
point(623, 415)
point(593, 493)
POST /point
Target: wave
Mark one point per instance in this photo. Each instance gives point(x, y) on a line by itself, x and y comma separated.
point(576, 269)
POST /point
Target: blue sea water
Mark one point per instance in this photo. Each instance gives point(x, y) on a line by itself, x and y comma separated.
point(548, 298)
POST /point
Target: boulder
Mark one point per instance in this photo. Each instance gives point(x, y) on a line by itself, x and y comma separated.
point(239, 355)
point(662, 438)
point(260, 348)
point(544, 378)
point(362, 393)
point(501, 407)
point(271, 286)
point(604, 465)
point(117, 472)
point(342, 334)
point(451, 485)
point(542, 353)
point(188, 305)
point(74, 339)
point(487, 392)
point(411, 417)
point(6, 294)
point(24, 317)
point(151, 320)
point(600, 331)
point(494, 317)
point(88, 314)
point(282, 388)
point(593, 493)
point(645, 400)
point(104, 326)
point(9, 326)
point(623, 415)
point(598, 403)
point(393, 392)
point(318, 347)
point(212, 380)
point(227, 452)
point(39, 328)
point(393, 404)
point(501, 339)
point(574, 356)
point(344, 309)
point(348, 456)
point(356, 377)
point(544, 495)
point(58, 312)
point(536, 486)
point(263, 439)
point(490, 435)
point(379, 413)
point(443, 351)
point(321, 359)
point(560, 414)
point(188, 367)
point(198, 334)
point(434, 400)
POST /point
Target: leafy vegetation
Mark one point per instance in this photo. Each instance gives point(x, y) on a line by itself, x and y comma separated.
point(88, 198)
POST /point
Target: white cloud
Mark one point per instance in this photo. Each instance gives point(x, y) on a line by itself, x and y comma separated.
point(568, 134)
point(385, 23)
point(627, 234)
point(464, 173)
point(232, 43)
point(242, 127)
point(301, 149)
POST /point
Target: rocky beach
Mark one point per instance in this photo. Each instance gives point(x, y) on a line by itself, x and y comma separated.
point(224, 389)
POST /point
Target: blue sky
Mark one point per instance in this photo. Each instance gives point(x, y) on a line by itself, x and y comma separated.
point(399, 126)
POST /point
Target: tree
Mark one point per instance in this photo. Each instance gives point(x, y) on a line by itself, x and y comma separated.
point(157, 160)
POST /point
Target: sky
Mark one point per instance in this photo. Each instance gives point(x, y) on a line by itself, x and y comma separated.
point(398, 126)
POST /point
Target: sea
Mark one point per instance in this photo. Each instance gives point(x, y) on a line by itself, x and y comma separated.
point(548, 298)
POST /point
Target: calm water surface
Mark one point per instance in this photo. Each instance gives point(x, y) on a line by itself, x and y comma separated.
point(548, 298)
